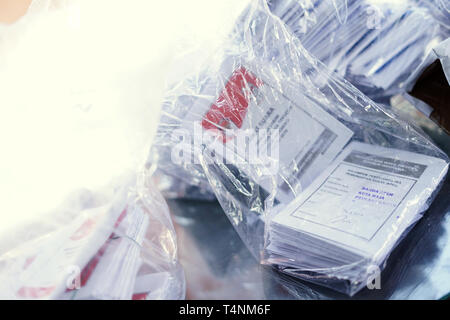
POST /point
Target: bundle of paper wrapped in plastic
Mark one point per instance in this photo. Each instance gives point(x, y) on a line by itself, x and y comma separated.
point(373, 44)
point(117, 243)
point(318, 180)
point(81, 218)
point(276, 120)
point(363, 41)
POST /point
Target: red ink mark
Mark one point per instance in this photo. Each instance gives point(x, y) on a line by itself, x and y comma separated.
point(30, 292)
point(90, 267)
point(231, 105)
point(84, 230)
point(139, 296)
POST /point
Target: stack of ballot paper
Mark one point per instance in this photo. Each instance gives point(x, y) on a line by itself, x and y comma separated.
point(374, 44)
point(96, 256)
point(265, 109)
point(350, 218)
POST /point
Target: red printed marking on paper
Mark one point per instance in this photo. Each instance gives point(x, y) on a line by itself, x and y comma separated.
point(84, 230)
point(28, 262)
point(139, 296)
point(92, 264)
point(231, 106)
point(30, 292)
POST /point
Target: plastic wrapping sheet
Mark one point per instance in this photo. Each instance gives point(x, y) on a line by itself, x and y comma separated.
point(218, 266)
point(173, 188)
point(440, 9)
point(202, 30)
point(262, 89)
point(114, 243)
point(373, 44)
point(80, 217)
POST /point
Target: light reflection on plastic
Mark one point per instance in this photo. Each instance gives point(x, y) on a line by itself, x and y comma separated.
point(80, 90)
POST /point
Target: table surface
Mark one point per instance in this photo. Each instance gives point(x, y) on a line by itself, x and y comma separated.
point(217, 264)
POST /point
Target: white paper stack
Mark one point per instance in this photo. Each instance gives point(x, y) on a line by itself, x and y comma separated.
point(374, 44)
point(118, 261)
point(96, 256)
point(350, 218)
point(292, 113)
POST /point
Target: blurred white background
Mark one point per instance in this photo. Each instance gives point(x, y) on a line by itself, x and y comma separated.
point(80, 87)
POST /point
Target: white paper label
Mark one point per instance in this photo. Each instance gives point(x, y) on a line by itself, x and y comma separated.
point(367, 197)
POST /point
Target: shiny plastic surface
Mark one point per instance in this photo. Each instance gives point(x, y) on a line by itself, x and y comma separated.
point(373, 44)
point(80, 216)
point(262, 78)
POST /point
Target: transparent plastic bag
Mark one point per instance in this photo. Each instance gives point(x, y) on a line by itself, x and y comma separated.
point(373, 44)
point(80, 218)
point(173, 188)
point(263, 121)
point(117, 243)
